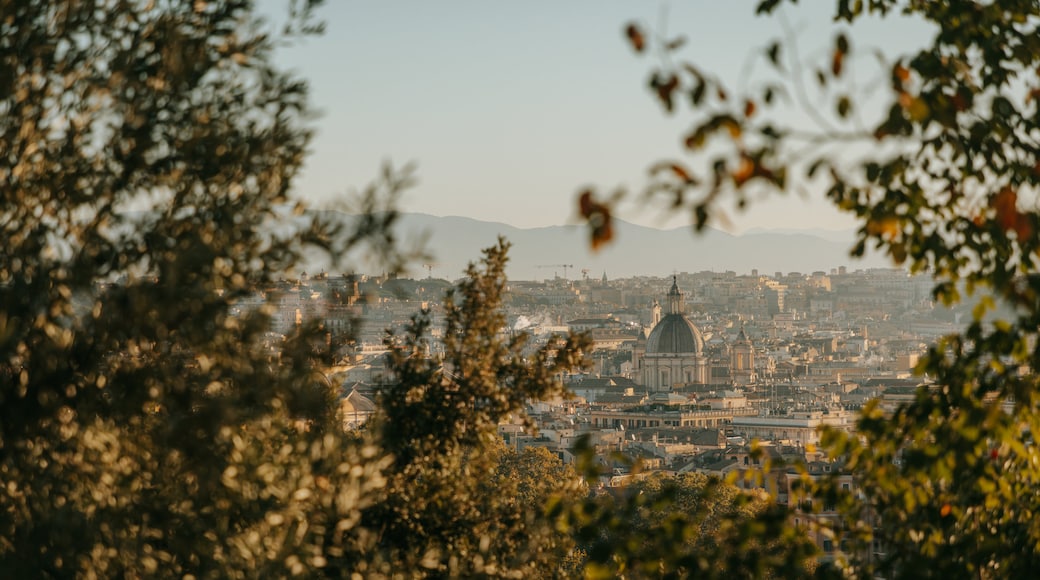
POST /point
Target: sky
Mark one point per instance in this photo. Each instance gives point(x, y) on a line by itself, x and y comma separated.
point(509, 109)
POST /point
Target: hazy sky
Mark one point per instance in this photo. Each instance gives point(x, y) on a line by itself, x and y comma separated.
point(509, 108)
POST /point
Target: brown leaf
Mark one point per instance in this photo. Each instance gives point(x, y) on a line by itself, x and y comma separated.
point(837, 60)
point(1006, 205)
point(602, 232)
point(749, 108)
point(665, 87)
point(959, 102)
point(635, 37)
point(598, 217)
point(680, 172)
point(900, 75)
point(745, 171)
point(585, 204)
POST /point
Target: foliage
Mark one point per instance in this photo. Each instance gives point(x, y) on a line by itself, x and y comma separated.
point(531, 477)
point(943, 180)
point(688, 525)
point(439, 420)
point(146, 152)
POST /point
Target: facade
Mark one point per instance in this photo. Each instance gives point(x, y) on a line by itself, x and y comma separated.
point(797, 427)
point(742, 360)
point(604, 418)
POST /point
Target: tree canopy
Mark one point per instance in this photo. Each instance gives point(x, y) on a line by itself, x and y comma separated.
point(944, 181)
point(146, 150)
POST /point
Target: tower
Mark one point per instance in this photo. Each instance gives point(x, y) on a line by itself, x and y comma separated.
point(742, 359)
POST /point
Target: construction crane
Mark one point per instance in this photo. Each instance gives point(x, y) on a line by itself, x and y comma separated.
point(564, 266)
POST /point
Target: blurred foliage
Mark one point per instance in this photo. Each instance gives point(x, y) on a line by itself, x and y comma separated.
point(943, 179)
point(687, 525)
point(146, 154)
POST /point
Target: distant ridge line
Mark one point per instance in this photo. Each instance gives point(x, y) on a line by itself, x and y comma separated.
point(637, 250)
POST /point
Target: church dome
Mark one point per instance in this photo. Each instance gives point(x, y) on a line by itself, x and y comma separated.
point(675, 334)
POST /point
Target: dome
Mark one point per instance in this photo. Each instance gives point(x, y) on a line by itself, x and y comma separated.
point(675, 334)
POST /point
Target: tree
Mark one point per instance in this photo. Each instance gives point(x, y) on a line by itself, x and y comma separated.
point(146, 429)
point(684, 525)
point(944, 181)
point(689, 525)
point(530, 477)
point(146, 153)
point(445, 510)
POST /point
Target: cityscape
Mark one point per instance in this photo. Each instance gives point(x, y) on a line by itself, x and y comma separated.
point(764, 301)
point(689, 372)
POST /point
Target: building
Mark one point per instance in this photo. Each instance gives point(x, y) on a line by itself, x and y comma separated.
point(674, 352)
point(742, 360)
point(797, 427)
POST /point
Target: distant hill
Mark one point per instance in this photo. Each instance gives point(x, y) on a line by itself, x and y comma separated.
point(637, 250)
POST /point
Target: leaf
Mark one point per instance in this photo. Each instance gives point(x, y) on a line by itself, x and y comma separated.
point(844, 106)
point(675, 43)
point(837, 61)
point(599, 218)
point(766, 6)
point(732, 126)
point(773, 53)
point(815, 166)
point(676, 169)
point(886, 228)
point(745, 170)
point(665, 87)
point(916, 109)
point(900, 75)
point(635, 37)
point(749, 108)
point(697, 93)
point(1005, 203)
point(696, 139)
point(841, 43)
point(821, 77)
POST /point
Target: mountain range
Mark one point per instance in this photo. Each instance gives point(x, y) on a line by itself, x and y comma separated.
point(540, 253)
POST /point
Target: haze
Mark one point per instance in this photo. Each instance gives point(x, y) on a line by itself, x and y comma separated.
point(510, 108)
